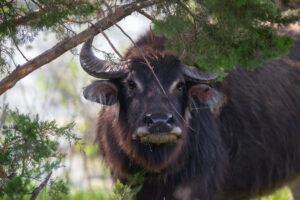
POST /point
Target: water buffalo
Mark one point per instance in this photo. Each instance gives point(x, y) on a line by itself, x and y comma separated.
point(194, 138)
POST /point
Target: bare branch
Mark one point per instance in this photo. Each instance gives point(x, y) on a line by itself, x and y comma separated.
point(19, 49)
point(10, 54)
point(69, 43)
point(83, 21)
point(68, 29)
point(111, 44)
point(99, 50)
point(187, 9)
point(37, 190)
point(146, 15)
point(104, 34)
point(15, 42)
point(36, 3)
point(27, 5)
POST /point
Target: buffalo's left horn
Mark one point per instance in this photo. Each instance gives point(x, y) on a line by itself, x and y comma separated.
point(100, 68)
point(195, 74)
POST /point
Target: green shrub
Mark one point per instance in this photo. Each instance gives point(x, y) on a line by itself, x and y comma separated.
point(29, 154)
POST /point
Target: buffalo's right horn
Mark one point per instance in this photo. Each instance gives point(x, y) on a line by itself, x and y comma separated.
point(100, 68)
point(196, 74)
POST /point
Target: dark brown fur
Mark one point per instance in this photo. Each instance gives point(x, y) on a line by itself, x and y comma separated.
point(250, 148)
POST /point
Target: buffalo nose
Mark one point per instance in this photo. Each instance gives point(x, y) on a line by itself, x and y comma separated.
point(154, 118)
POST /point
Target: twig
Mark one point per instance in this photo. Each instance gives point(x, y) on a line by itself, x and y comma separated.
point(188, 10)
point(69, 43)
point(37, 190)
point(111, 45)
point(27, 5)
point(11, 56)
point(142, 54)
point(183, 44)
point(15, 42)
point(19, 49)
point(36, 3)
point(68, 29)
point(107, 38)
point(83, 21)
point(146, 15)
point(107, 6)
point(99, 50)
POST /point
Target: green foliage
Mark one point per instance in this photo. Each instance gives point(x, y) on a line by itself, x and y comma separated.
point(58, 189)
point(22, 20)
point(121, 192)
point(91, 150)
point(88, 195)
point(28, 153)
point(44, 13)
point(129, 190)
point(282, 194)
point(217, 35)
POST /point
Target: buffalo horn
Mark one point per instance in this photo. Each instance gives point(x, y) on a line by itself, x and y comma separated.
point(100, 68)
point(195, 74)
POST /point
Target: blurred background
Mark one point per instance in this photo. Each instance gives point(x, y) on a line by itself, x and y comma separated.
point(54, 92)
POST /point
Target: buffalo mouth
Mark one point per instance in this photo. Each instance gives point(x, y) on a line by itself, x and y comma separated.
point(147, 137)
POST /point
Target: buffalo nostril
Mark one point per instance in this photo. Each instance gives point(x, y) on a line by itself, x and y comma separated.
point(148, 120)
point(154, 118)
point(171, 120)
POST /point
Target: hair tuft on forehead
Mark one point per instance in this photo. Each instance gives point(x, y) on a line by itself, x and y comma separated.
point(153, 48)
point(148, 44)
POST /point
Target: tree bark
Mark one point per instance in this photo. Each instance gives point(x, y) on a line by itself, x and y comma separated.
point(37, 190)
point(69, 43)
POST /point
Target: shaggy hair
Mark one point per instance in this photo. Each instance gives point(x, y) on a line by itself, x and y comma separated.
point(249, 148)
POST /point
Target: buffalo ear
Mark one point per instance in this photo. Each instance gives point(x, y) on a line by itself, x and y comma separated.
point(103, 92)
point(208, 96)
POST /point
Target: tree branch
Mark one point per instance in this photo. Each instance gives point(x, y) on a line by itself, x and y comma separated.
point(19, 48)
point(37, 190)
point(23, 19)
point(187, 9)
point(16, 44)
point(119, 13)
point(111, 45)
point(146, 15)
point(83, 21)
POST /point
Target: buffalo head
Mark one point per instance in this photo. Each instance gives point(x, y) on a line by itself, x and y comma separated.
point(152, 100)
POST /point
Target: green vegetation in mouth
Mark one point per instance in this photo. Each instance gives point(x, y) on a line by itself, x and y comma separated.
point(159, 138)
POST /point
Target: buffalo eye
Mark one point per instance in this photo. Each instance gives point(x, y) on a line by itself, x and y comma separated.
point(180, 86)
point(131, 84)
